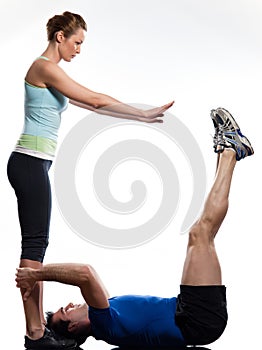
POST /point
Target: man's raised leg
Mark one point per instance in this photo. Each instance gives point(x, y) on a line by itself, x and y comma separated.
point(201, 265)
point(201, 310)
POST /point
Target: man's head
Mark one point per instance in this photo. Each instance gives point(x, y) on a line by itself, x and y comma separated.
point(71, 322)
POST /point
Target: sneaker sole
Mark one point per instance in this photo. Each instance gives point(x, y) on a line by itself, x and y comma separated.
point(224, 114)
point(58, 348)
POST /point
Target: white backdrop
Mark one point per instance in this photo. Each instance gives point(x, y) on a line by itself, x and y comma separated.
point(203, 54)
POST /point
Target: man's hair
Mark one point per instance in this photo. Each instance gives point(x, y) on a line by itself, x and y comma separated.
point(61, 328)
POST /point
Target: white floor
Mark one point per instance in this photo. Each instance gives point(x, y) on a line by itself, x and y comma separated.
point(203, 54)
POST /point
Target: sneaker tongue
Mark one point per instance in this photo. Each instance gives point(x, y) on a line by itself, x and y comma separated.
point(219, 148)
point(219, 119)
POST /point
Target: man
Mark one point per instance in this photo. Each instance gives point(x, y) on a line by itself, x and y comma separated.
point(198, 316)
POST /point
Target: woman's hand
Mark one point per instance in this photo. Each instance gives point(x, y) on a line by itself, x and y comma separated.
point(155, 114)
point(120, 110)
point(79, 95)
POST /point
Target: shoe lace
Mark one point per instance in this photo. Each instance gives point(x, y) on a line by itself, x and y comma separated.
point(219, 142)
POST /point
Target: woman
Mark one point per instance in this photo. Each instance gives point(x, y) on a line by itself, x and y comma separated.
point(48, 89)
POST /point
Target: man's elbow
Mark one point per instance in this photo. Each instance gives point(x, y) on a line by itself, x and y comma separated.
point(86, 273)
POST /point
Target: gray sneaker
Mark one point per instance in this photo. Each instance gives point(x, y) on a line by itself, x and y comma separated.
point(228, 134)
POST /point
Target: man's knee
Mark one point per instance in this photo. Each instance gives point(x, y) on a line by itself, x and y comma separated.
point(201, 233)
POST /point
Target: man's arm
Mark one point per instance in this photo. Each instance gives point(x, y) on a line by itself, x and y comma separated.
point(79, 275)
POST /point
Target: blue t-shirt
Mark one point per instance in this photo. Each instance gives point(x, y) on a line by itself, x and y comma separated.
point(136, 320)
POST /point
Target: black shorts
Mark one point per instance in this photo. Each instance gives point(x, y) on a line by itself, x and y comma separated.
point(201, 313)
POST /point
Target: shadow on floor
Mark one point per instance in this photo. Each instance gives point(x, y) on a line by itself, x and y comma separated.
point(184, 348)
point(175, 348)
point(166, 348)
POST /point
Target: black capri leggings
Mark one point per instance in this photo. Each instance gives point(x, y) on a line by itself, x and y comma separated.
point(29, 177)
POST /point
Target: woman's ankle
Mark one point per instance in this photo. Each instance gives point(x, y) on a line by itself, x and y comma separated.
point(35, 332)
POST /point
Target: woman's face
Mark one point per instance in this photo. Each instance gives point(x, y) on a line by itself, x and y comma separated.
point(71, 46)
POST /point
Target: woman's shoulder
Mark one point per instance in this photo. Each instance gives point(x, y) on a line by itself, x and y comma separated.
point(41, 71)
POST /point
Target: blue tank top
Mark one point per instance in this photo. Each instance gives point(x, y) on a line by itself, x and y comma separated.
point(134, 320)
point(43, 108)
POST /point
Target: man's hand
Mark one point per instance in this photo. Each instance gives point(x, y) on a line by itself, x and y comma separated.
point(25, 280)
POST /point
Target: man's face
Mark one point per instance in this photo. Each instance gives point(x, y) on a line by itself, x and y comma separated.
point(72, 313)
